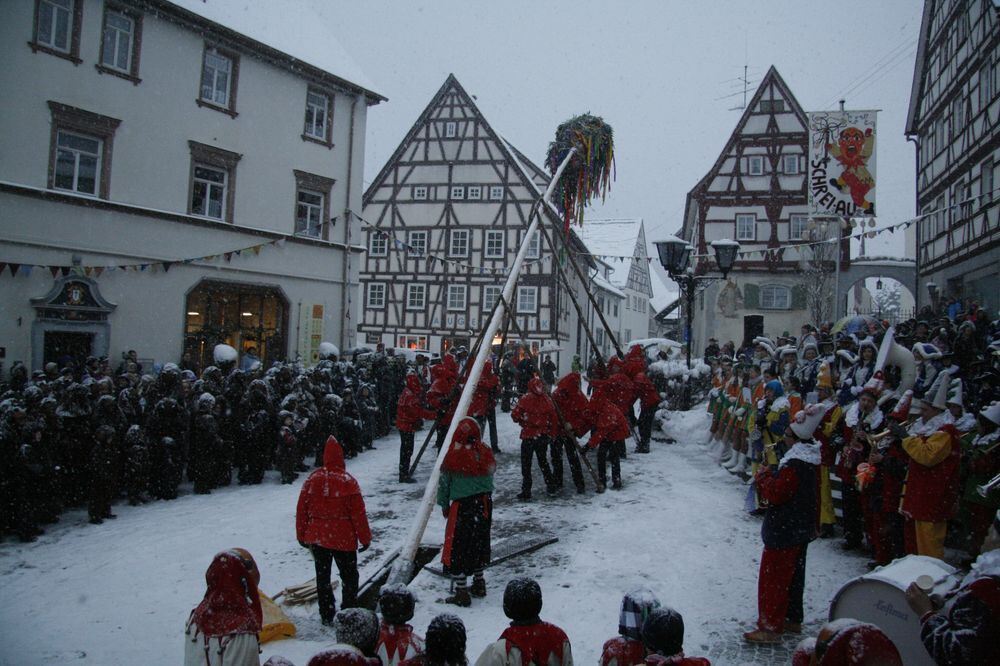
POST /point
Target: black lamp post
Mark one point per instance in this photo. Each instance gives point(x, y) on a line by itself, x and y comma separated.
point(675, 257)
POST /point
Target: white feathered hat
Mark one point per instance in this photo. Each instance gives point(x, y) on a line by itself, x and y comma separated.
point(937, 394)
point(991, 412)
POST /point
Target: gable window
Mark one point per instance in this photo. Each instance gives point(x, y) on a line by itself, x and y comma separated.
point(534, 246)
point(772, 105)
point(312, 204)
point(57, 28)
point(416, 296)
point(457, 192)
point(475, 192)
point(775, 297)
point(420, 192)
point(376, 294)
point(80, 150)
point(790, 164)
point(458, 243)
point(417, 240)
point(527, 299)
point(456, 296)
point(219, 71)
point(120, 43)
point(491, 294)
point(496, 192)
point(797, 227)
point(213, 181)
point(755, 165)
point(319, 119)
point(746, 227)
point(450, 130)
point(378, 244)
point(494, 245)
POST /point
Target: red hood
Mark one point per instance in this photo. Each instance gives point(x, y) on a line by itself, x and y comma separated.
point(449, 364)
point(231, 604)
point(468, 455)
point(536, 386)
point(615, 364)
point(413, 383)
point(569, 383)
point(333, 455)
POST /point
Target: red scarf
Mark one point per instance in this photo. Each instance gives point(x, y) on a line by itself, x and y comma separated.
point(231, 604)
point(536, 642)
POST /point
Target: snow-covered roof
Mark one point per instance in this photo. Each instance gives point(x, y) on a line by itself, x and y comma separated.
point(601, 283)
point(664, 291)
point(617, 238)
point(293, 28)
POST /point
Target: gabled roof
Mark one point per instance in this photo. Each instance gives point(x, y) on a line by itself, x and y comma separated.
point(292, 29)
point(615, 238)
point(664, 291)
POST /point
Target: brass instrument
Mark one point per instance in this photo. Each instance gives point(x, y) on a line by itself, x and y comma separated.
point(875, 439)
point(989, 486)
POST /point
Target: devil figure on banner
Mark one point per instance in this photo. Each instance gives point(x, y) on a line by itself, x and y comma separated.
point(842, 163)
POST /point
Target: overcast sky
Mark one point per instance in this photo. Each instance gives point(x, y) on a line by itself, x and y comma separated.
point(663, 74)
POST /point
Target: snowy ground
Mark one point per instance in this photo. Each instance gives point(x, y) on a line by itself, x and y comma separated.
point(119, 593)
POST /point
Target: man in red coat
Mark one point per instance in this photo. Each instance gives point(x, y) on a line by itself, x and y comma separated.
point(410, 411)
point(484, 403)
point(649, 401)
point(330, 521)
point(608, 435)
point(574, 408)
point(536, 415)
point(441, 394)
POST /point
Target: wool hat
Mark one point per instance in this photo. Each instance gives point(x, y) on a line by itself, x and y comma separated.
point(806, 421)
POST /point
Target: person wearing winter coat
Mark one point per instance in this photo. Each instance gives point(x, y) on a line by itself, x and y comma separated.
point(861, 418)
point(528, 640)
point(357, 635)
point(288, 447)
point(484, 403)
point(465, 495)
point(397, 641)
point(982, 461)
point(204, 445)
point(649, 401)
point(536, 415)
point(441, 397)
point(330, 521)
point(444, 645)
point(627, 647)
point(103, 460)
point(574, 408)
point(789, 493)
point(223, 629)
point(608, 432)
point(663, 636)
point(410, 411)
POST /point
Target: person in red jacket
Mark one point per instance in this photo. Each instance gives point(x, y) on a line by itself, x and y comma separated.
point(634, 361)
point(574, 408)
point(484, 403)
point(330, 521)
point(608, 435)
point(410, 411)
point(536, 415)
point(649, 401)
point(441, 396)
point(528, 640)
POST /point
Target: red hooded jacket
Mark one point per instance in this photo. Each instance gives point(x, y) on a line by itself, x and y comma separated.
point(439, 395)
point(635, 361)
point(535, 413)
point(618, 389)
point(572, 403)
point(645, 390)
point(231, 604)
point(609, 422)
point(410, 410)
point(484, 395)
point(331, 511)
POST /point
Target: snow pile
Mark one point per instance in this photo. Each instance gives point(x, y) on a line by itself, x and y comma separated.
point(677, 369)
point(328, 350)
point(224, 354)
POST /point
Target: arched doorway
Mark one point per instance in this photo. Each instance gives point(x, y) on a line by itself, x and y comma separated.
point(249, 317)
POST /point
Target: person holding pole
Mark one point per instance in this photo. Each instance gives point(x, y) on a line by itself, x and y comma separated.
point(410, 411)
point(537, 417)
point(574, 407)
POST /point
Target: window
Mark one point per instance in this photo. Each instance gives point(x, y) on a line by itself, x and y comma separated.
point(450, 130)
point(417, 240)
point(491, 294)
point(416, 296)
point(496, 192)
point(599, 337)
point(797, 227)
point(775, 297)
point(527, 299)
point(458, 245)
point(456, 296)
point(57, 28)
point(614, 308)
point(475, 192)
point(985, 183)
point(319, 122)
point(628, 334)
point(756, 165)
point(790, 164)
point(376, 294)
point(772, 105)
point(312, 204)
point(411, 341)
point(219, 70)
point(494, 245)
point(80, 150)
point(120, 43)
point(213, 181)
point(420, 192)
point(457, 192)
point(378, 244)
point(534, 246)
point(746, 227)
point(986, 88)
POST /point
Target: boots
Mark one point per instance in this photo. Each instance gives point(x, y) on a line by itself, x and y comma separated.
point(478, 585)
point(735, 463)
point(460, 597)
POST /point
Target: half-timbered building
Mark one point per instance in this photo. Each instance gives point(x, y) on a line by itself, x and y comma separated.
point(444, 220)
point(756, 194)
point(954, 120)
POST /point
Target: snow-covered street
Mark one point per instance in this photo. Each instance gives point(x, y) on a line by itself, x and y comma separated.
point(119, 593)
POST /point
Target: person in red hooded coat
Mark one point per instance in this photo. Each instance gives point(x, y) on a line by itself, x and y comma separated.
point(608, 434)
point(536, 415)
point(484, 403)
point(574, 408)
point(441, 396)
point(330, 521)
point(410, 411)
point(649, 401)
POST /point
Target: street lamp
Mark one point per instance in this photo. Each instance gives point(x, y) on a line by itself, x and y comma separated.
point(675, 257)
point(932, 290)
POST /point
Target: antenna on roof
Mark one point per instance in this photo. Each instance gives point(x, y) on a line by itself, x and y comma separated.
point(744, 80)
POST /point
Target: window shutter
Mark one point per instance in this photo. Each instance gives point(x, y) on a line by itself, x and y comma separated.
point(799, 297)
point(751, 296)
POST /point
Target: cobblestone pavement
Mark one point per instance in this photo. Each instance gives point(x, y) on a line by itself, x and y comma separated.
point(725, 646)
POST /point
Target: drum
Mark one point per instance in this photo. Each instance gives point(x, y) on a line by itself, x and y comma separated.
point(879, 598)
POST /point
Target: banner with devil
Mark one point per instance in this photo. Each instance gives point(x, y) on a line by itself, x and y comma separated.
point(842, 163)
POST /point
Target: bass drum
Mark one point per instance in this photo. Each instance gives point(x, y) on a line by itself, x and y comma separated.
point(879, 598)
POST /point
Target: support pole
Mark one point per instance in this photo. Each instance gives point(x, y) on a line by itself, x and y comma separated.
point(403, 570)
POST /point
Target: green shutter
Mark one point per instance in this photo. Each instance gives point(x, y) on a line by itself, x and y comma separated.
point(751, 296)
point(799, 297)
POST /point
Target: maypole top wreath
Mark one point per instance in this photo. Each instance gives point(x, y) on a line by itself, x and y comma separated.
point(590, 172)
